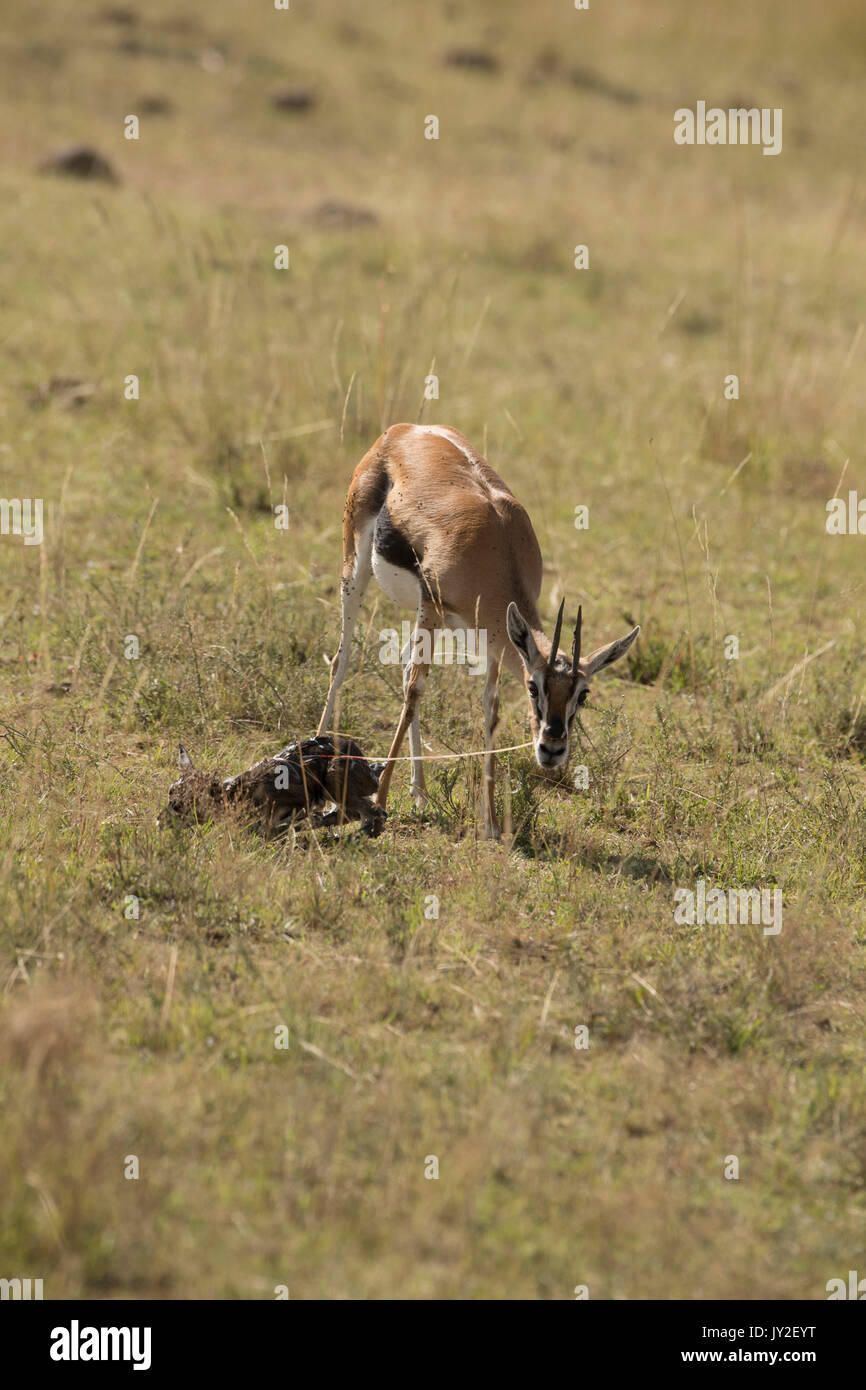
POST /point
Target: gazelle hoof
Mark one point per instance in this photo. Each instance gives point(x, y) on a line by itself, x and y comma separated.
point(374, 824)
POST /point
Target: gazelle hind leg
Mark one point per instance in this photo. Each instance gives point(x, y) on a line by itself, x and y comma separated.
point(352, 591)
point(419, 785)
point(415, 682)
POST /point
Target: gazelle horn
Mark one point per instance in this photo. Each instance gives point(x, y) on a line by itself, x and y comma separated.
point(575, 651)
point(556, 631)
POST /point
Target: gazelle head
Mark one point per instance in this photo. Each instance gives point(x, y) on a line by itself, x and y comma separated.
point(194, 796)
point(555, 685)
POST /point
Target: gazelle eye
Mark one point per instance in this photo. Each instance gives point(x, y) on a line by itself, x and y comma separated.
point(533, 690)
point(581, 699)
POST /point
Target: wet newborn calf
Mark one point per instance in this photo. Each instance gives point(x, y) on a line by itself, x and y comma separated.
point(296, 782)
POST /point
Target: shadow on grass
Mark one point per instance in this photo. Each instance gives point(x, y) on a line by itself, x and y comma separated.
point(636, 865)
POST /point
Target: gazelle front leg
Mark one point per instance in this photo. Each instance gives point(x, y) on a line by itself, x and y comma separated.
point(490, 704)
point(414, 682)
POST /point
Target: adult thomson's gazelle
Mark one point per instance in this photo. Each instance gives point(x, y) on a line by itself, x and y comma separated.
point(444, 535)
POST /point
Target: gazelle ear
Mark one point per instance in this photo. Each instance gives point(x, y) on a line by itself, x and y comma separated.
point(521, 637)
point(604, 656)
point(183, 758)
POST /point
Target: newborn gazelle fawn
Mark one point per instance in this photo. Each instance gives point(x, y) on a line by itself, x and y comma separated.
point(443, 534)
point(295, 784)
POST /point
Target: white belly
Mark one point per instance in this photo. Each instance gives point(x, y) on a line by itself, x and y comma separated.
point(400, 586)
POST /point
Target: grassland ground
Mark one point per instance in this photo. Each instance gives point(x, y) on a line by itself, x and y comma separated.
point(146, 974)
